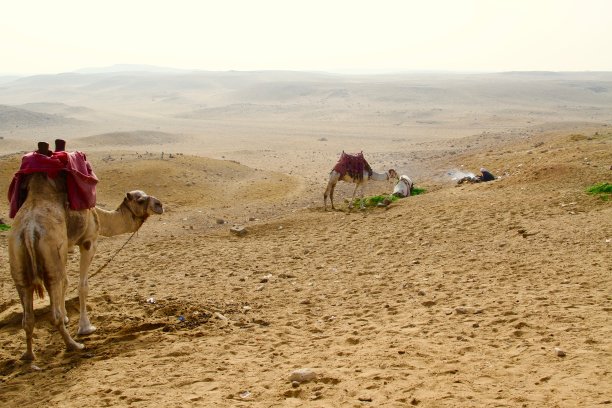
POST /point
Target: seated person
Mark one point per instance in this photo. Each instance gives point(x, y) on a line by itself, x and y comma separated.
point(485, 175)
point(403, 187)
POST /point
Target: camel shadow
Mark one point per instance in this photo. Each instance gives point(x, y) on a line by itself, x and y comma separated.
point(117, 336)
point(41, 313)
point(105, 343)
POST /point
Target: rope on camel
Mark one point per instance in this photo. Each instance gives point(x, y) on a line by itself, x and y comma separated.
point(110, 259)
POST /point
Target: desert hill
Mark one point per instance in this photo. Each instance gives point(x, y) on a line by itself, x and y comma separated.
point(182, 182)
point(54, 108)
point(132, 138)
point(475, 295)
point(12, 118)
point(240, 115)
point(398, 98)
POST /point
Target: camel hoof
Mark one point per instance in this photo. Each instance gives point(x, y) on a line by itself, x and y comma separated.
point(28, 356)
point(84, 331)
point(75, 346)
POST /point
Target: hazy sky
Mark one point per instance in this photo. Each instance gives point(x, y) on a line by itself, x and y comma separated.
point(329, 35)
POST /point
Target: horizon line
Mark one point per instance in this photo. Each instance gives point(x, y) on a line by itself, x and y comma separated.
point(158, 69)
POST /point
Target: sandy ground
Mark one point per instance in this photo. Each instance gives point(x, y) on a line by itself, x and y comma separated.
point(459, 297)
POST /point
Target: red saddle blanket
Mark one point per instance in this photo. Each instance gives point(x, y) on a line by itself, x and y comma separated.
point(80, 178)
point(352, 164)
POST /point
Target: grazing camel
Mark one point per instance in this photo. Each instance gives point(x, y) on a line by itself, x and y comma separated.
point(353, 169)
point(43, 231)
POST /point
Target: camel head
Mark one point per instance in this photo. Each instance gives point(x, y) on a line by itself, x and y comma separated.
point(392, 174)
point(142, 205)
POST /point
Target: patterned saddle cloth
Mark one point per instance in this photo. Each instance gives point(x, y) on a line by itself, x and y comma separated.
point(353, 164)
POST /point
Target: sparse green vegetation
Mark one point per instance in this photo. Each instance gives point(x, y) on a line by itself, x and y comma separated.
point(4, 227)
point(603, 190)
point(373, 201)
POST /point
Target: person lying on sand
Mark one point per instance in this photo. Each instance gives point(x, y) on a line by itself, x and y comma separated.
point(485, 175)
point(402, 189)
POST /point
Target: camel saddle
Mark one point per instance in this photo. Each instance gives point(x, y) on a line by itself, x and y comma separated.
point(352, 164)
point(80, 179)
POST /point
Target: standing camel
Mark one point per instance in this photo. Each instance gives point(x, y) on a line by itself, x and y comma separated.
point(43, 231)
point(353, 169)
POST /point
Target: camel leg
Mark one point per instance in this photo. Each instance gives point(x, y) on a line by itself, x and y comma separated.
point(65, 251)
point(63, 303)
point(56, 291)
point(25, 289)
point(325, 194)
point(353, 197)
point(362, 204)
point(88, 250)
point(329, 191)
point(27, 302)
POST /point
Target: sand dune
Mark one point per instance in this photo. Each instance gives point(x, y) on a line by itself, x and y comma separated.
point(492, 294)
point(132, 138)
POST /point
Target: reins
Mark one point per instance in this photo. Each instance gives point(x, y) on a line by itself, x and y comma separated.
point(136, 217)
point(112, 257)
point(119, 250)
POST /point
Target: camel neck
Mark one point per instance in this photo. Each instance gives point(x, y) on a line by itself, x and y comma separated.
point(379, 176)
point(117, 222)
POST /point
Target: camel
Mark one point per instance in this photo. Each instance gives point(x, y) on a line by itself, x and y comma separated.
point(43, 231)
point(353, 169)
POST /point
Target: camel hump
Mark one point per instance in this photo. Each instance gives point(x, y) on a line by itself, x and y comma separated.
point(353, 164)
point(81, 185)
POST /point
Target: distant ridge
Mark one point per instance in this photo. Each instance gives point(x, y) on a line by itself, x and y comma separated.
point(12, 117)
point(55, 108)
point(131, 68)
point(8, 78)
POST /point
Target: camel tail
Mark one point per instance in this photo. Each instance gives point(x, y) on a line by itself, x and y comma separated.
point(30, 239)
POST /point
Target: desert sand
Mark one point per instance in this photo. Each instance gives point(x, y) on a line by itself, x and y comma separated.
point(496, 294)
